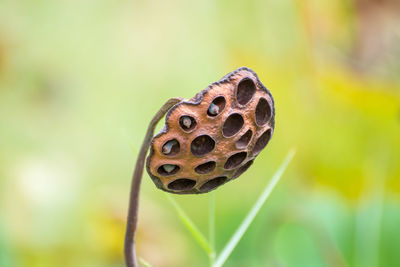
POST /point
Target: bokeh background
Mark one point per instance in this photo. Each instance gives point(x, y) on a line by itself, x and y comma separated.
point(80, 80)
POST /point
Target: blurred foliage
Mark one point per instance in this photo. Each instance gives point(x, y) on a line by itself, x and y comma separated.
point(80, 80)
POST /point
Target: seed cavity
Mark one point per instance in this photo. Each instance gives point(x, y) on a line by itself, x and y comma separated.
point(216, 106)
point(187, 123)
point(235, 160)
point(168, 169)
point(171, 147)
point(205, 167)
point(232, 125)
point(202, 145)
point(182, 184)
point(262, 142)
point(263, 112)
point(245, 91)
point(244, 140)
point(212, 184)
point(242, 169)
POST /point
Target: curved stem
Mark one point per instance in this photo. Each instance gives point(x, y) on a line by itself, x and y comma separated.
point(132, 221)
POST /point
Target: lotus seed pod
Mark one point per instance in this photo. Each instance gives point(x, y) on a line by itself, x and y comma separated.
point(214, 137)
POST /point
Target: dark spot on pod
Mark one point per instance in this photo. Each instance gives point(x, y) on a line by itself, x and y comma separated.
point(262, 142)
point(171, 147)
point(232, 125)
point(168, 169)
point(242, 169)
point(263, 112)
point(235, 160)
point(182, 184)
point(216, 106)
point(212, 184)
point(205, 167)
point(202, 145)
point(187, 123)
point(245, 91)
point(244, 140)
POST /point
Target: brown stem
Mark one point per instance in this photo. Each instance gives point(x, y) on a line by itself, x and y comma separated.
point(131, 225)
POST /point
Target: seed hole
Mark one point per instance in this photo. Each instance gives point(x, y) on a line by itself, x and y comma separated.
point(171, 147)
point(205, 167)
point(212, 184)
point(245, 91)
point(232, 125)
point(242, 169)
point(187, 123)
point(202, 145)
point(244, 140)
point(216, 106)
point(168, 169)
point(263, 112)
point(235, 160)
point(262, 142)
point(182, 184)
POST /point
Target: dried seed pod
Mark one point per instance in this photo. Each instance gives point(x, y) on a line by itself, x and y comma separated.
point(214, 137)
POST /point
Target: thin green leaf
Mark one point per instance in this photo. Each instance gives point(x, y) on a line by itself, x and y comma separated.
point(368, 221)
point(253, 212)
point(211, 229)
point(144, 263)
point(199, 237)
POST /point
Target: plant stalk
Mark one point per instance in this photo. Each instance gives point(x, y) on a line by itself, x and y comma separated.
point(132, 220)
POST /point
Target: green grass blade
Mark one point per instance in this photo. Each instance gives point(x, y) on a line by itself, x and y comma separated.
point(144, 263)
point(253, 212)
point(368, 220)
point(211, 226)
point(198, 236)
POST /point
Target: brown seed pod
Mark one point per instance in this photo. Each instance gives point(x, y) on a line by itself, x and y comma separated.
point(214, 137)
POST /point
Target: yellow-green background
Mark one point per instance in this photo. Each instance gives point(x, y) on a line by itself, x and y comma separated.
point(80, 80)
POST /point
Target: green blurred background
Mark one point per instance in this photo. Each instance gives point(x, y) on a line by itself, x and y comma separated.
point(80, 80)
